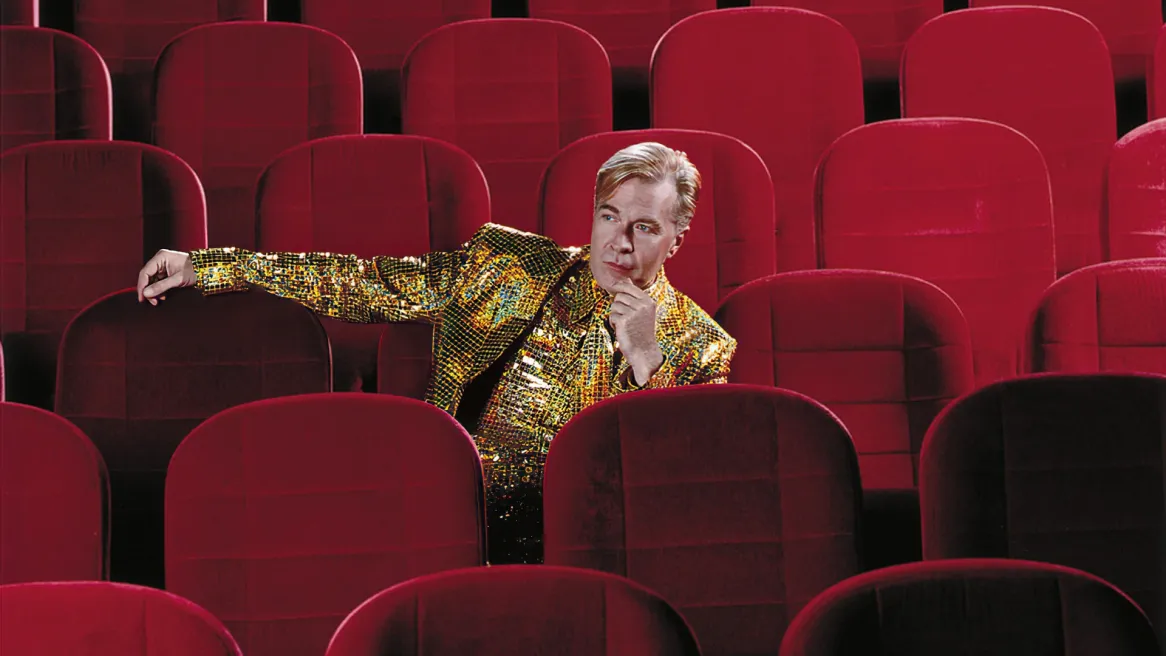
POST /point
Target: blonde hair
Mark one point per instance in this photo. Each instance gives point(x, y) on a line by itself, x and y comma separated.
point(652, 162)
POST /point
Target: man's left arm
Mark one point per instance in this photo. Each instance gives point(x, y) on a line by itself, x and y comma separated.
point(694, 357)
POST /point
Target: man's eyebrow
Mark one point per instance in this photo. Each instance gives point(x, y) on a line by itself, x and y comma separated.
point(609, 208)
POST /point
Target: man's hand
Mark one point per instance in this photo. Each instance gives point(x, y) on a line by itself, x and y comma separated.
point(633, 315)
point(165, 271)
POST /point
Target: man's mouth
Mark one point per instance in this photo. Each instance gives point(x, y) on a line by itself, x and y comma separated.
point(620, 269)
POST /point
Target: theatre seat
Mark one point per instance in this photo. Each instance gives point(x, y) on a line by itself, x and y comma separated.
point(511, 93)
point(1045, 72)
point(52, 86)
point(515, 609)
point(1058, 468)
point(737, 503)
point(229, 97)
point(283, 515)
point(1137, 194)
point(137, 378)
point(106, 619)
point(20, 12)
point(729, 242)
point(54, 500)
point(787, 82)
point(974, 606)
point(1156, 78)
point(369, 195)
point(960, 203)
point(405, 359)
point(77, 220)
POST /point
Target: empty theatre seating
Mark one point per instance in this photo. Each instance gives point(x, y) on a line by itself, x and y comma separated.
point(1058, 468)
point(1045, 72)
point(52, 86)
point(1156, 79)
point(511, 93)
point(975, 606)
point(78, 218)
point(785, 81)
point(106, 619)
point(516, 609)
point(961, 203)
point(736, 503)
point(19, 12)
point(130, 35)
point(381, 32)
point(730, 240)
point(1107, 317)
point(137, 378)
point(229, 97)
point(367, 196)
point(54, 498)
point(283, 515)
point(1137, 194)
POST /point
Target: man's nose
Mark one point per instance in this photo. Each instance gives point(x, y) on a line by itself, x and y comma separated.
point(622, 242)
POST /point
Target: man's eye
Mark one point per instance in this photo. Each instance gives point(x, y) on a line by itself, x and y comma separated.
point(608, 217)
point(643, 227)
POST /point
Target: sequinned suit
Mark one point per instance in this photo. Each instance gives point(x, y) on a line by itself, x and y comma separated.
point(521, 344)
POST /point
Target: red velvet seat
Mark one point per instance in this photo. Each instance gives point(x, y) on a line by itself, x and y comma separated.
point(20, 12)
point(137, 378)
point(998, 607)
point(405, 359)
point(106, 619)
point(729, 242)
point(1156, 78)
point(511, 93)
point(229, 97)
point(736, 503)
point(130, 34)
point(1059, 468)
point(881, 28)
point(1129, 27)
point(515, 609)
point(787, 82)
point(52, 86)
point(1136, 221)
point(77, 219)
point(283, 515)
point(960, 203)
point(1045, 72)
point(369, 195)
point(54, 498)
point(1107, 317)
point(381, 32)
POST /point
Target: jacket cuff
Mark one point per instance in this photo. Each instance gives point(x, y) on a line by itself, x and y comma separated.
point(218, 270)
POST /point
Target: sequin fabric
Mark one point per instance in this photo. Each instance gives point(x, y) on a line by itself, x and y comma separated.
point(505, 293)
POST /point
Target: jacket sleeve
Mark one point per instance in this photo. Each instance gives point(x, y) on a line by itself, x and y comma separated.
point(689, 360)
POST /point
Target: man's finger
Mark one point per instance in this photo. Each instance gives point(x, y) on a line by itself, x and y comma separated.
point(161, 286)
point(148, 270)
point(625, 286)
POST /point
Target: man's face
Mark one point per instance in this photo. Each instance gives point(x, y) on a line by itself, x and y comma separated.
point(633, 232)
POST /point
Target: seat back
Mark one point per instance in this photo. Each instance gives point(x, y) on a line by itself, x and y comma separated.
point(20, 12)
point(960, 203)
point(229, 97)
point(511, 93)
point(885, 352)
point(1137, 193)
point(1045, 72)
point(53, 86)
point(736, 503)
point(62, 251)
point(515, 609)
point(1156, 78)
point(787, 82)
point(729, 241)
point(54, 499)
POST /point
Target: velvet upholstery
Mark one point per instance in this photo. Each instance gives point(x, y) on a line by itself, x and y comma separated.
point(20, 12)
point(1045, 72)
point(137, 378)
point(369, 195)
point(106, 619)
point(405, 359)
point(77, 220)
point(283, 515)
point(229, 97)
point(961, 203)
point(52, 86)
point(1136, 221)
point(974, 607)
point(728, 242)
point(511, 93)
point(1059, 468)
point(1156, 78)
point(787, 82)
point(54, 499)
point(736, 503)
point(515, 609)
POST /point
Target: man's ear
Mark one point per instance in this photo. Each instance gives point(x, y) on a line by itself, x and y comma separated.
point(677, 242)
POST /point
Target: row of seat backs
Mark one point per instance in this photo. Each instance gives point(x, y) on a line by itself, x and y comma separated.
point(282, 515)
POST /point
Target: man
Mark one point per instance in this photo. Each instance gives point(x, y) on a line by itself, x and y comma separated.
point(527, 333)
